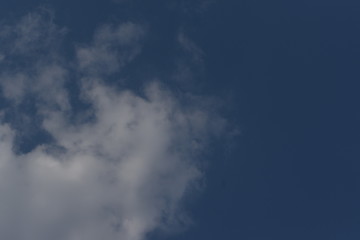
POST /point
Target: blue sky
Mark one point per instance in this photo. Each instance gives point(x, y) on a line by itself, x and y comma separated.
point(179, 119)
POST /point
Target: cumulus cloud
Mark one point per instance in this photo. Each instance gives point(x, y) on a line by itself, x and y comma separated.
point(118, 177)
point(121, 173)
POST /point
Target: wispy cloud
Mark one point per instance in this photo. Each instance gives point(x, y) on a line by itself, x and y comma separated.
point(112, 47)
point(119, 175)
point(189, 63)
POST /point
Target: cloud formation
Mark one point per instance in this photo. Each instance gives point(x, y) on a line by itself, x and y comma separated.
point(119, 172)
point(111, 49)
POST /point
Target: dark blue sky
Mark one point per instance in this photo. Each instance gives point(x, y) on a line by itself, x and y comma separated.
point(288, 76)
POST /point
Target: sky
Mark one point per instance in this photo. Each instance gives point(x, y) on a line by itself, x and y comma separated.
point(179, 119)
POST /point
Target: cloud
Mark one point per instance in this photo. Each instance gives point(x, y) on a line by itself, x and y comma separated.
point(111, 49)
point(190, 64)
point(34, 32)
point(190, 47)
point(116, 178)
point(30, 62)
point(120, 173)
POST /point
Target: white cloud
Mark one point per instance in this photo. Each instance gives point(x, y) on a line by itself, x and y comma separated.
point(120, 175)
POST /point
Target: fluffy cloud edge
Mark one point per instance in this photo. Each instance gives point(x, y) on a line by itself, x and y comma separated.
point(119, 175)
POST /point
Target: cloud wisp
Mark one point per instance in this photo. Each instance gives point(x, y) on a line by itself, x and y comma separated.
point(120, 172)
